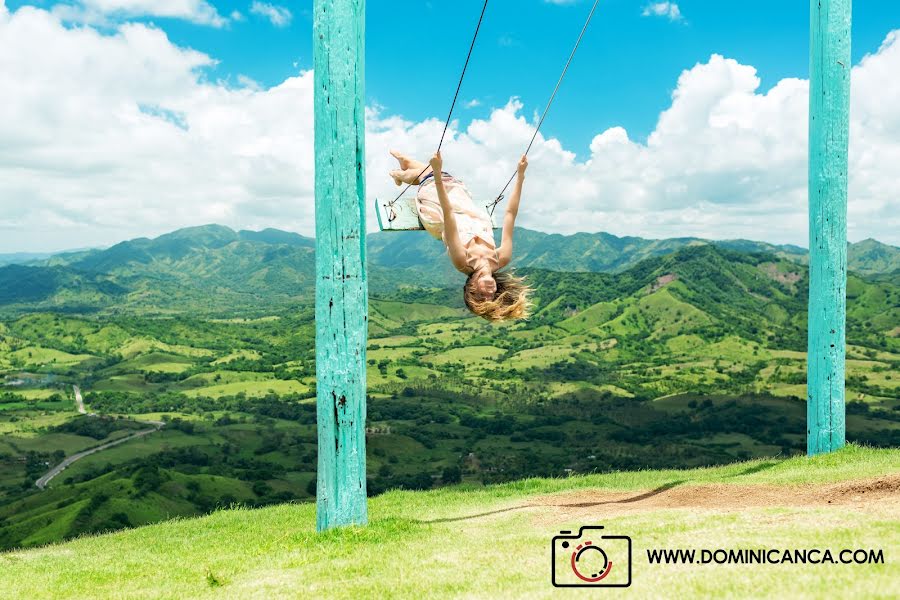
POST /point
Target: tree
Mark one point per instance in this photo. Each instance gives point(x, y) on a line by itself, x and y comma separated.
point(451, 475)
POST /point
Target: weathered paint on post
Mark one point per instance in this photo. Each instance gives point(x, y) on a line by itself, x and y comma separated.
point(341, 286)
point(829, 132)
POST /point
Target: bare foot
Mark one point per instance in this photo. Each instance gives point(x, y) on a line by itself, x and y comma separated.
point(410, 176)
point(405, 161)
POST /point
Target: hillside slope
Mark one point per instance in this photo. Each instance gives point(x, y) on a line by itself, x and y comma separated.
point(700, 351)
point(871, 257)
point(495, 541)
point(215, 268)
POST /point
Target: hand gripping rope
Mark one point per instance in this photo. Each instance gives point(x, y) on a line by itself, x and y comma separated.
point(499, 198)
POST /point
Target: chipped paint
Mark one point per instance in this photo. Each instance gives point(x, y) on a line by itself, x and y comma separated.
point(341, 286)
point(829, 132)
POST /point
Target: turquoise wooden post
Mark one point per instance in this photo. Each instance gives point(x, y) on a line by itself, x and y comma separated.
point(829, 133)
point(341, 286)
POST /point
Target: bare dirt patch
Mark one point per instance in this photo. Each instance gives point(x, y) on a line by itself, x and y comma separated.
point(789, 278)
point(661, 282)
point(881, 495)
point(876, 496)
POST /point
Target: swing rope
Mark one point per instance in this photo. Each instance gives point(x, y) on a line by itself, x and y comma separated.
point(390, 205)
point(493, 205)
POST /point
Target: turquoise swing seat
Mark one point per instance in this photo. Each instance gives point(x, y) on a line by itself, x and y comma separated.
point(406, 217)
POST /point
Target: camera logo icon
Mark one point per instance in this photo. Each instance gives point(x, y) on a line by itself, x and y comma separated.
point(591, 559)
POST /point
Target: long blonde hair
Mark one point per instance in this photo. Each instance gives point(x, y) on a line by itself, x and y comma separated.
point(511, 302)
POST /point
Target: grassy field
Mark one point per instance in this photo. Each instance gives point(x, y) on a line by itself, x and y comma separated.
point(495, 541)
point(673, 364)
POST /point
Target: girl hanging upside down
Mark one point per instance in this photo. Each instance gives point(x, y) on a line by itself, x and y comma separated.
point(448, 213)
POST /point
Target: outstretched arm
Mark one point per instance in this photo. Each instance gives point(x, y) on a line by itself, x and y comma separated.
point(512, 210)
point(451, 233)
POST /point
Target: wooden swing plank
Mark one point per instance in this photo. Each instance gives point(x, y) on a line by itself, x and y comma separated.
point(406, 215)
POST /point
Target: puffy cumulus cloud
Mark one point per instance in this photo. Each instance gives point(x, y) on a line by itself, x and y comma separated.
point(669, 10)
point(278, 16)
point(723, 161)
point(727, 161)
point(107, 136)
point(874, 203)
point(104, 137)
point(99, 11)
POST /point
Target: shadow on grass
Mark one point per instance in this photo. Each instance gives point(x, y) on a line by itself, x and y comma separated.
point(755, 469)
point(638, 498)
point(476, 516)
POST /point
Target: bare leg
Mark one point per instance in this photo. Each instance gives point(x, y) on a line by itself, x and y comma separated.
point(406, 162)
point(409, 170)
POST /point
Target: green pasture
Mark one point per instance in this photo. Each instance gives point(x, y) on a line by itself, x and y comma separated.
point(156, 362)
point(137, 448)
point(459, 542)
point(240, 354)
point(255, 387)
point(32, 357)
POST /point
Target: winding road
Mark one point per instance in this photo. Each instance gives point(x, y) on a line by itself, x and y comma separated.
point(79, 404)
point(43, 481)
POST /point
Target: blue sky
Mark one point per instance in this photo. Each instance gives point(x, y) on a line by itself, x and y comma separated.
point(623, 75)
point(626, 68)
point(126, 118)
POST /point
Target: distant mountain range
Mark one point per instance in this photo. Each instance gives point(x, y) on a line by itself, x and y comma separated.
point(17, 258)
point(606, 253)
point(214, 268)
point(579, 252)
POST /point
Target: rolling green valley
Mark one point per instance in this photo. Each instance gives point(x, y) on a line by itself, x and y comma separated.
point(179, 372)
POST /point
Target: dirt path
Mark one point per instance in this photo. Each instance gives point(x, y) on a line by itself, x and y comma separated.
point(79, 401)
point(880, 494)
point(877, 495)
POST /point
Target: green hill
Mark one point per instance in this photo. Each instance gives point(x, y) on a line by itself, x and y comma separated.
point(579, 252)
point(217, 269)
point(496, 541)
point(602, 252)
point(690, 358)
point(871, 257)
point(18, 258)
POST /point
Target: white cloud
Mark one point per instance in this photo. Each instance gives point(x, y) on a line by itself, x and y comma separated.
point(279, 16)
point(663, 9)
point(248, 83)
point(104, 137)
point(98, 11)
point(473, 103)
